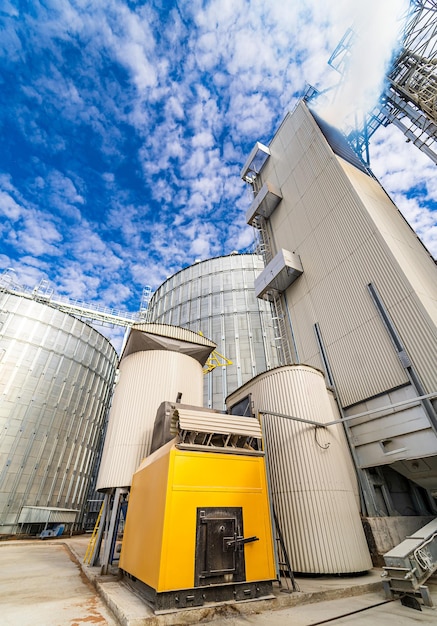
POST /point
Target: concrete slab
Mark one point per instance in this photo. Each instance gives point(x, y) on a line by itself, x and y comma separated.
point(42, 585)
point(47, 584)
point(365, 610)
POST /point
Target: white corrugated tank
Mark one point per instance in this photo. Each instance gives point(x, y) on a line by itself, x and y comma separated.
point(147, 377)
point(312, 482)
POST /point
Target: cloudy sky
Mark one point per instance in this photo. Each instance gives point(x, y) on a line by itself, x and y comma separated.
point(124, 125)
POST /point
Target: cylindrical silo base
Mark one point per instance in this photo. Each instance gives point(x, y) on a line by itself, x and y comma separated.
point(312, 485)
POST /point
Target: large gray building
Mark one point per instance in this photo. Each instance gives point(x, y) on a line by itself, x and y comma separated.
point(358, 292)
point(217, 297)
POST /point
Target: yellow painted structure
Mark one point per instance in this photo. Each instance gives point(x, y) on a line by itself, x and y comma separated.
point(159, 544)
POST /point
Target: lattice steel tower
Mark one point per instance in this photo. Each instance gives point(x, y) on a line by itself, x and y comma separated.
point(410, 97)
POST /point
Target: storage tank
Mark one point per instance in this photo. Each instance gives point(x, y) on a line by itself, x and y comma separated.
point(160, 362)
point(217, 297)
point(313, 486)
point(56, 374)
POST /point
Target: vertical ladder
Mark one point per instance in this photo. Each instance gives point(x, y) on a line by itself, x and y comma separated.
point(262, 235)
point(281, 337)
point(92, 542)
point(283, 560)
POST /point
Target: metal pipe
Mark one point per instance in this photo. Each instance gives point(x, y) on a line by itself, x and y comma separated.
point(412, 401)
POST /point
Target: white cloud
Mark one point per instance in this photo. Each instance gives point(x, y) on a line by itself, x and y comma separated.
point(9, 207)
point(138, 121)
point(408, 176)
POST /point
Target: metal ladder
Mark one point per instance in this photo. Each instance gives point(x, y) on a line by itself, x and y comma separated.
point(283, 345)
point(92, 542)
point(283, 560)
point(262, 236)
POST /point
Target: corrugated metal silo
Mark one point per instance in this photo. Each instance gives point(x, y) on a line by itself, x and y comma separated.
point(217, 297)
point(313, 489)
point(159, 363)
point(56, 374)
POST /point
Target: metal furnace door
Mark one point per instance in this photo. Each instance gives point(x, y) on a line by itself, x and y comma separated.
point(219, 553)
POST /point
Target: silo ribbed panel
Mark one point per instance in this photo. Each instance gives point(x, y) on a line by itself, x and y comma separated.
point(56, 374)
point(217, 297)
point(312, 488)
point(145, 380)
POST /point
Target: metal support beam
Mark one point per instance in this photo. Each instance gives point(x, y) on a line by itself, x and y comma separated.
point(403, 356)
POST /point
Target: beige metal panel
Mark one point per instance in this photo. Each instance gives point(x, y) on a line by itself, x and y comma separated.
point(365, 363)
point(419, 337)
point(313, 492)
point(348, 234)
point(146, 379)
point(284, 134)
point(419, 268)
point(303, 316)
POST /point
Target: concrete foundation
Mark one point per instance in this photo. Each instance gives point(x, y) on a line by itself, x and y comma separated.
point(384, 533)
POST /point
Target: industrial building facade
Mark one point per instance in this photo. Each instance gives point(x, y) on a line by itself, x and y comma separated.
point(216, 297)
point(358, 292)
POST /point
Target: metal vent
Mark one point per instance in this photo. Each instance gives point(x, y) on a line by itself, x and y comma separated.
point(199, 429)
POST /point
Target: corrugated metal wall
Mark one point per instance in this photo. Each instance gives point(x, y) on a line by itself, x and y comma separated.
point(217, 298)
point(313, 487)
point(146, 379)
point(56, 375)
point(348, 233)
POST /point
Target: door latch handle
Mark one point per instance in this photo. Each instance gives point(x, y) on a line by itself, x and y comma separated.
point(237, 542)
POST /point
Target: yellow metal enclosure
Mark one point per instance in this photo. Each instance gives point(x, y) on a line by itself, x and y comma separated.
point(183, 505)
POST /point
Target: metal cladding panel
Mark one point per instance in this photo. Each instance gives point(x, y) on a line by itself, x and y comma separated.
point(56, 375)
point(174, 332)
point(312, 489)
point(339, 143)
point(279, 274)
point(348, 233)
point(206, 422)
point(265, 202)
point(217, 297)
point(41, 515)
point(146, 380)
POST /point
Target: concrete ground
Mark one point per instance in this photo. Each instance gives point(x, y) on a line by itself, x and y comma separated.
point(47, 584)
point(41, 584)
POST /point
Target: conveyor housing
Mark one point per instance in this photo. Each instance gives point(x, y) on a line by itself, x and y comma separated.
point(409, 565)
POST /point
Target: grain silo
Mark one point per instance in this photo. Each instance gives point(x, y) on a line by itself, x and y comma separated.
point(313, 487)
point(159, 363)
point(56, 375)
point(217, 298)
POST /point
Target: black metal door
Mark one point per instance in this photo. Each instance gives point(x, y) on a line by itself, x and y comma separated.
point(219, 559)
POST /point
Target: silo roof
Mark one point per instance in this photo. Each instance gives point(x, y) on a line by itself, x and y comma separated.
point(146, 336)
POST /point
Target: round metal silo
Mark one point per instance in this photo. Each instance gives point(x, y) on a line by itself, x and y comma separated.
point(56, 374)
point(217, 298)
point(313, 486)
point(159, 363)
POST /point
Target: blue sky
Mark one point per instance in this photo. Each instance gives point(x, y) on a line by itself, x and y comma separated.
point(124, 126)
